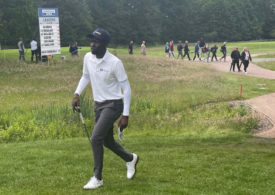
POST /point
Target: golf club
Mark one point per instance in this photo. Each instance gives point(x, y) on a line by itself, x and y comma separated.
point(83, 123)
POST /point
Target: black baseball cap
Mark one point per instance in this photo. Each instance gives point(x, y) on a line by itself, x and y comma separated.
point(100, 34)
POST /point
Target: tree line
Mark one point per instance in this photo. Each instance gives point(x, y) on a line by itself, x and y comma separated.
point(155, 21)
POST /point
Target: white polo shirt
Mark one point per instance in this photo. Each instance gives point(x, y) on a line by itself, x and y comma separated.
point(33, 45)
point(104, 75)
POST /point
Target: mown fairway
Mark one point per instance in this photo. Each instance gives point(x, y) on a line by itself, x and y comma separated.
point(190, 140)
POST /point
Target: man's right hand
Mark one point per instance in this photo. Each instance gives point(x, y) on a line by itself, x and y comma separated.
point(76, 102)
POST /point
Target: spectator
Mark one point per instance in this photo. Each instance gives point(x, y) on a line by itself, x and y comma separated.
point(167, 49)
point(245, 57)
point(214, 51)
point(197, 48)
point(186, 50)
point(34, 50)
point(130, 48)
point(74, 49)
point(171, 49)
point(235, 56)
point(21, 49)
point(202, 46)
point(179, 48)
point(143, 48)
point(223, 50)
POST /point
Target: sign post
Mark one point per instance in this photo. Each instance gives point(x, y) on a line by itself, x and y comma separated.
point(49, 31)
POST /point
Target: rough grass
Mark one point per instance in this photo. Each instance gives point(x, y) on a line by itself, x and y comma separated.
point(190, 140)
point(268, 65)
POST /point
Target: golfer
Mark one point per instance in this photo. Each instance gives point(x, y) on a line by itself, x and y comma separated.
point(107, 76)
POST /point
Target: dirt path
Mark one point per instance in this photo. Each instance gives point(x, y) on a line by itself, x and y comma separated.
point(266, 105)
point(253, 70)
point(263, 104)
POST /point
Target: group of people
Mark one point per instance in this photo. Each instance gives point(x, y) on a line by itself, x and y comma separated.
point(200, 48)
point(142, 46)
point(203, 48)
point(244, 58)
point(35, 50)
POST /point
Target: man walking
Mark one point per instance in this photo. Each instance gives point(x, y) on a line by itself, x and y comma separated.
point(179, 48)
point(202, 46)
point(235, 55)
point(186, 50)
point(107, 76)
point(214, 51)
point(197, 48)
point(223, 50)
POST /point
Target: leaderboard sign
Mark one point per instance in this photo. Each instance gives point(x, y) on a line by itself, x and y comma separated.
point(49, 31)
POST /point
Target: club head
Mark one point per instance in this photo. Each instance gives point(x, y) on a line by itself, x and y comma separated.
point(120, 134)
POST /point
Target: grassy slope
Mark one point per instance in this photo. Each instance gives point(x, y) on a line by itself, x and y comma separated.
point(268, 65)
point(184, 148)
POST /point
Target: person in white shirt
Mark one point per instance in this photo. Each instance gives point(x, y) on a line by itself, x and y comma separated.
point(245, 57)
point(34, 50)
point(107, 76)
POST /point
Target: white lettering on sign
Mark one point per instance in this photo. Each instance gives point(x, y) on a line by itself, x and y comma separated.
point(48, 12)
point(49, 32)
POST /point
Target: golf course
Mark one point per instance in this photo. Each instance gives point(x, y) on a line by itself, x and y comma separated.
point(189, 123)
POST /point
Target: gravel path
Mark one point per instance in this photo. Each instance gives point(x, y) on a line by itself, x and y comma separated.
point(264, 104)
point(253, 70)
point(263, 59)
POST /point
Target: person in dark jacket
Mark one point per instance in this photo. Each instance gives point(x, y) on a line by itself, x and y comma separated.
point(235, 56)
point(179, 48)
point(74, 49)
point(245, 57)
point(130, 48)
point(202, 47)
point(186, 50)
point(197, 48)
point(223, 50)
point(214, 51)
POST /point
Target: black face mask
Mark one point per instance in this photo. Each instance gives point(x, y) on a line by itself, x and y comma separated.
point(98, 48)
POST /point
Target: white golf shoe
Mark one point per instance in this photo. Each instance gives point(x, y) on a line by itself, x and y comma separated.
point(93, 183)
point(131, 166)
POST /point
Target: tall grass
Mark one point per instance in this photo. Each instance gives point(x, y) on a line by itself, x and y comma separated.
point(165, 97)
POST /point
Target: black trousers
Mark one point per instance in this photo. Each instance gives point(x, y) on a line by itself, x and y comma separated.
point(21, 55)
point(196, 54)
point(106, 114)
point(224, 56)
point(214, 55)
point(180, 54)
point(235, 62)
point(245, 63)
point(34, 52)
point(186, 54)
